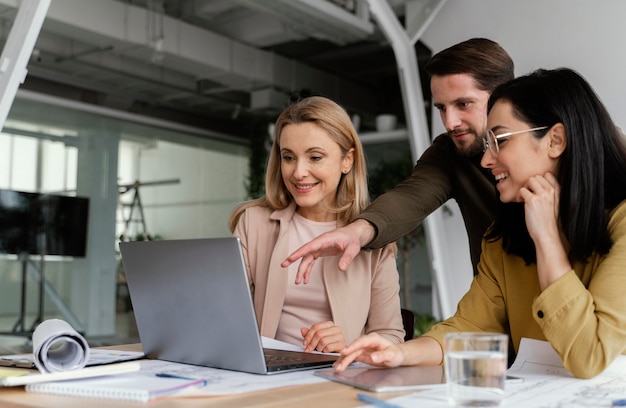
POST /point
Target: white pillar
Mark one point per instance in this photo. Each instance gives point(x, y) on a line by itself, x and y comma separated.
point(419, 139)
point(94, 277)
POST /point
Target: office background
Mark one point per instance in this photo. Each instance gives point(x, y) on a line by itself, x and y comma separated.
point(72, 129)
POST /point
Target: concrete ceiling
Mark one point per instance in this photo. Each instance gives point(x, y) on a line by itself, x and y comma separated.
point(219, 65)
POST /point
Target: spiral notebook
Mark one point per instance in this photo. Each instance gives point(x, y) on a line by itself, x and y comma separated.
point(130, 387)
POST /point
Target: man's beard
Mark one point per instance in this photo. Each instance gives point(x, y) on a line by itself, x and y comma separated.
point(472, 149)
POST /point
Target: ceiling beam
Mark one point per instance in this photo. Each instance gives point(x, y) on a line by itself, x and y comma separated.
point(188, 50)
point(419, 15)
point(17, 50)
point(318, 19)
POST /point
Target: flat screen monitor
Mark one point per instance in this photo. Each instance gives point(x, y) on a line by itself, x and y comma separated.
point(43, 224)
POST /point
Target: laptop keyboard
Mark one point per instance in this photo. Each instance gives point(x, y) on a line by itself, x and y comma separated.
point(278, 360)
point(274, 358)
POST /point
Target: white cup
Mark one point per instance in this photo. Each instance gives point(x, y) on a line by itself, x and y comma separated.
point(475, 365)
point(386, 122)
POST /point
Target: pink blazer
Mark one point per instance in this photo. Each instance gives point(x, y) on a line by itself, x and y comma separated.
point(363, 299)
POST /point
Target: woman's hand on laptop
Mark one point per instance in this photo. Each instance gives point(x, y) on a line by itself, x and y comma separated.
point(325, 337)
point(374, 349)
point(371, 349)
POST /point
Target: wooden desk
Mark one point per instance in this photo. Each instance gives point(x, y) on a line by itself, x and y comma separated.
point(312, 395)
point(325, 394)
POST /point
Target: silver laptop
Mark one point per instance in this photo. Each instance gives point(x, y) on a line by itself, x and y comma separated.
point(193, 305)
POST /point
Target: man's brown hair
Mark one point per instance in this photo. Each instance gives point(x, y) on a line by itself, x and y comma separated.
point(485, 60)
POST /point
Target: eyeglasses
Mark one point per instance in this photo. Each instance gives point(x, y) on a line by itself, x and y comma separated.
point(490, 140)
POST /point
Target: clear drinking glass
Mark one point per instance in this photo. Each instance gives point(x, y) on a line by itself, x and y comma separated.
point(475, 365)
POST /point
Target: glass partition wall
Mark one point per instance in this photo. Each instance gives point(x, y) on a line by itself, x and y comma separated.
point(143, 180)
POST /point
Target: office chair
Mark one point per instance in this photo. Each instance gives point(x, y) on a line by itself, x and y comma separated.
point(408, 320)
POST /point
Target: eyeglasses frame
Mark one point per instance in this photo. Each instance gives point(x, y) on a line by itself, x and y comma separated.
point(487, 138)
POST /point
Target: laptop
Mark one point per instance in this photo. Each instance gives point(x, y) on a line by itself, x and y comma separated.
point(193, 305)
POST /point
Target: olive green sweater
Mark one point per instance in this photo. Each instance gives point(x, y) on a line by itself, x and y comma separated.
point(440, 174)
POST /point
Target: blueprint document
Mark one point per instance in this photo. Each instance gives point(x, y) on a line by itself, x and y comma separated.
point(224, 382)
point(547, 384)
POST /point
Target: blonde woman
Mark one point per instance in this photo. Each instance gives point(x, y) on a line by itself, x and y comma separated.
point(315, 182)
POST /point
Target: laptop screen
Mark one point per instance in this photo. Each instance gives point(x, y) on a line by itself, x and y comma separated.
point(192, 303)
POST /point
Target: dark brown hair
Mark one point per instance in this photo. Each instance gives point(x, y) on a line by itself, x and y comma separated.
point(591, 171)
point(485, 60)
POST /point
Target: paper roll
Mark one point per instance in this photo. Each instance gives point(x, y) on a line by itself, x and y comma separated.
point(58, 347)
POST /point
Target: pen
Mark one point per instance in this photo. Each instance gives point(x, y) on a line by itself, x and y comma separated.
point(619, 403)
point(166, 375)
point(375, 401)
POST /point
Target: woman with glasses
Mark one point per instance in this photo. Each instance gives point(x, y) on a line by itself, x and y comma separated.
point(553, 265)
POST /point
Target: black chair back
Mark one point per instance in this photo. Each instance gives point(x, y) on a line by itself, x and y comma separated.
point(408, 320)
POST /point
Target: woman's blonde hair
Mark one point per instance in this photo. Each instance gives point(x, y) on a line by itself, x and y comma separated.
point(352, 193)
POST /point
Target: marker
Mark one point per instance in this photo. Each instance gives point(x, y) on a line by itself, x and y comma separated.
point(376, 402)
point(619, 403)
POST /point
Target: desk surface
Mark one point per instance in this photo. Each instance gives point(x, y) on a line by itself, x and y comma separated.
point(326, 394)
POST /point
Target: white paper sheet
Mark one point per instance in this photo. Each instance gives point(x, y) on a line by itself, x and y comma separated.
point(271, 343)
point(224, 382)
point(547, 384)
point(96, 357)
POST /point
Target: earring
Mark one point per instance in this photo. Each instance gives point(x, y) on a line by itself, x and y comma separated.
point(345, 171)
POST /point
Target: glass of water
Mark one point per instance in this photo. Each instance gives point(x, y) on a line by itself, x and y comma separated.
point(475, 365)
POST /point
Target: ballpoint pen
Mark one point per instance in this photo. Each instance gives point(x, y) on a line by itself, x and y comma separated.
point(167, 375)
point(375, 401)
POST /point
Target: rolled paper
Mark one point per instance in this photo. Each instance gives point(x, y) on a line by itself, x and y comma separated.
point(58, 347)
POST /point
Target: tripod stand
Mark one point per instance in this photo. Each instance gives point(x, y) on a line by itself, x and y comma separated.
point(19, 328)
point(136, 203)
